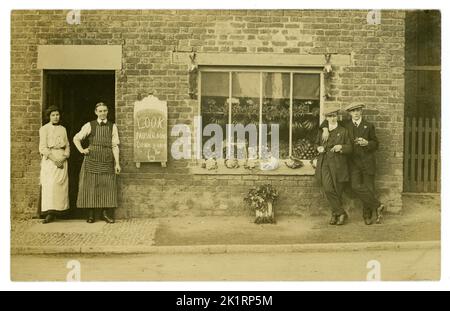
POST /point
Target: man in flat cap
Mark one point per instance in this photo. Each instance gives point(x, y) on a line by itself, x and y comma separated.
point(362, 161)
point(332, 165)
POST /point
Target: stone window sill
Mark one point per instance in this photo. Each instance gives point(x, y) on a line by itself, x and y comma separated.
point(306, 169)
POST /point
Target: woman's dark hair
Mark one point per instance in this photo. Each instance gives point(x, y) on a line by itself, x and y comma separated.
point(50, 109)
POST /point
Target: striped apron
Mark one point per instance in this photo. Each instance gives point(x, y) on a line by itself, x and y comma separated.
point(98, 184)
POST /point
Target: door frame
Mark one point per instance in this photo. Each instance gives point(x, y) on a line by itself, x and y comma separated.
point(44, 73)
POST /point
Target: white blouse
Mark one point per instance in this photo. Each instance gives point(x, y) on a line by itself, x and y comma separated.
point(53, 137)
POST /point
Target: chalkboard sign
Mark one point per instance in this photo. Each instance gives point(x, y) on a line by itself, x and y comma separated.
point(150, 131)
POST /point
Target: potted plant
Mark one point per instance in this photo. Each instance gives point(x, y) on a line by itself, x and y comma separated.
point(261, 199)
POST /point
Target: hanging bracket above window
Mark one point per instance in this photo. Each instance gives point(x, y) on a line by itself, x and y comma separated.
point(193, 74)
point(328, 73)
point(327, 68)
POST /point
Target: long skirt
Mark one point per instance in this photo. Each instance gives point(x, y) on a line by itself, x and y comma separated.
point(96, 190)
point(54, 184)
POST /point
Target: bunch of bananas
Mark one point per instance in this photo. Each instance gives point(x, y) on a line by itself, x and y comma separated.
point(306, 123)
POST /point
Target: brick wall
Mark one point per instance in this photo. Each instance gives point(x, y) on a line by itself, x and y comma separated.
point(375, 78)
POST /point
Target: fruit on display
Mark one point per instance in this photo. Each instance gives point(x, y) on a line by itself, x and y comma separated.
point(250, 164)
point(304, 149)
point(211, 164)
point(293, 163)
point(232, 163)
point(308, 124)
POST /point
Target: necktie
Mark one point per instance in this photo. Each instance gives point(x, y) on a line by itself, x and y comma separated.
point(356, 124)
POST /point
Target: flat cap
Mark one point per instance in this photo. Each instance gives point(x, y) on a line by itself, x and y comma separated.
point(329, 109)
point(354, 106)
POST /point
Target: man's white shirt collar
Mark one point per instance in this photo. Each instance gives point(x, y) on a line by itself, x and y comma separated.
point(100, 121)
point(357, 122)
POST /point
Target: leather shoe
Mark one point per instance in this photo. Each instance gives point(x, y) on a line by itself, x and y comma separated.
point(380, 211)
point(91, 216)
point(341, 220)
point(106, 218)
point(49, 218)
point(333, 220)
point(368, 221)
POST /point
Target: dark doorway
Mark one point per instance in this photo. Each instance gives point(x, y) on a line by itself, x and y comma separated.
point(76, 92)
point(422, 149)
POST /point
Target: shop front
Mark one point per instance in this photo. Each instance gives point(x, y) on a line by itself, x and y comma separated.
point(247, 87)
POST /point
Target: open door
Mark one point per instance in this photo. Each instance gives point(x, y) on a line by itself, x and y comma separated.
point(76, 92)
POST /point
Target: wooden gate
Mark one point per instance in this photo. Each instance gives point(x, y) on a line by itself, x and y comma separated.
point(422, 162)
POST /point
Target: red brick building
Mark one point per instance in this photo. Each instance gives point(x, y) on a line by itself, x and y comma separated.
point(279, 54)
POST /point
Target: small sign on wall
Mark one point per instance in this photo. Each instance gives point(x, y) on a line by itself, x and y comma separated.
point(150, 131)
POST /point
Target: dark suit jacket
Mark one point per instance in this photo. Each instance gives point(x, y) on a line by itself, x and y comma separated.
point(336, 160)
point(362, 157)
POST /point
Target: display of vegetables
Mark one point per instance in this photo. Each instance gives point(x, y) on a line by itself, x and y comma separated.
point(232, 163)
point(211, 164)
point(293, 163)
point(304, 149)
point(245, 110)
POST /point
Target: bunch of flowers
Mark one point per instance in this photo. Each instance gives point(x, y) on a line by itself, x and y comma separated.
point(261, 199)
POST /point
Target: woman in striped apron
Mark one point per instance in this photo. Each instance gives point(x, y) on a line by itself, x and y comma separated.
point(98, 181)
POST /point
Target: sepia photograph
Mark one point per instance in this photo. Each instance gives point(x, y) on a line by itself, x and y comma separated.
point(225, 145)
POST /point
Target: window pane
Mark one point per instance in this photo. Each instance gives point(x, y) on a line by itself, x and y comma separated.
point(214, 96)
point(245, 104)
point(306, 113)
point(215, 84)
point(276, 88)
point(306, 86)
point(246, 84)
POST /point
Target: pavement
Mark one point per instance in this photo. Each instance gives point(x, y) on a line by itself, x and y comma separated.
point(416, 227)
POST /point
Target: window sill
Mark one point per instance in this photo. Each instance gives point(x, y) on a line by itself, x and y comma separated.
point(307, 169)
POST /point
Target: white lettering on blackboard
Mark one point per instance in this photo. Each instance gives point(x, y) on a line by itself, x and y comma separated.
point(150, 135)
point(154, 123)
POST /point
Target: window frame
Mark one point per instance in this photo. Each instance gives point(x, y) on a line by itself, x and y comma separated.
point(260, 69)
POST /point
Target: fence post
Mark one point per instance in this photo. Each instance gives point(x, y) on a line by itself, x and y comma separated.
point(407, 159)
point(426, 177)
point(419, 181)
point(413, 179)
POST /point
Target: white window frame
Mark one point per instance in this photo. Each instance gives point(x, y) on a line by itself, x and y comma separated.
point(261, 70)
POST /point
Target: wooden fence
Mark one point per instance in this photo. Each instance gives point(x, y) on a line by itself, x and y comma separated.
point(422, 162)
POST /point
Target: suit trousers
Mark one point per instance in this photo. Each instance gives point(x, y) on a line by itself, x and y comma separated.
point(363, 187)
point(333, 189)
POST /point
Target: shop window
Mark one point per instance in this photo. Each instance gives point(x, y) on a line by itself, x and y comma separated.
point(289, 98)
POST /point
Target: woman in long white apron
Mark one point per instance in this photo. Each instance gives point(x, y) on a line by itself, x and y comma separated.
point(54, 148)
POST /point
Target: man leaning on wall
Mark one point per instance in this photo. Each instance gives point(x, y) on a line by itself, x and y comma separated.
point(362, 161)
